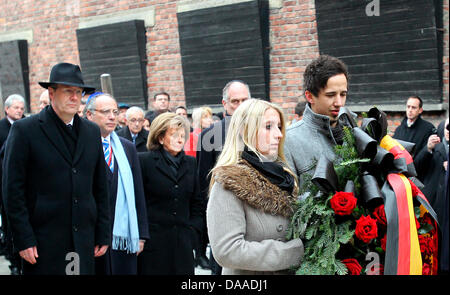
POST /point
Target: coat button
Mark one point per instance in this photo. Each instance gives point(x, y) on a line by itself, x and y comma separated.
point(75, 229)
point(74, 170)
point(174, 213)
point(75, 201)
point(176, 186)
point(280, 228)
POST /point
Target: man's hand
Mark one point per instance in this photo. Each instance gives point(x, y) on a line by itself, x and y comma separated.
point(100, 250)
point(141, 246)
point(29, 254)
point(433, 140)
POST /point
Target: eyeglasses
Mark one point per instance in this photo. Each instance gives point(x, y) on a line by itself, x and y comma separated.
point(134, 121)
point(114, 112)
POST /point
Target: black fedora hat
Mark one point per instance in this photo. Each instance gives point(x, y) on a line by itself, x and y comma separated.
point(67, 74)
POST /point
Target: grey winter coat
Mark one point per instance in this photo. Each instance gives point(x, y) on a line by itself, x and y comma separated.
point(248, 218)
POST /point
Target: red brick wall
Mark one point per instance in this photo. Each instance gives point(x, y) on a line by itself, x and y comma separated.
point(293, 37)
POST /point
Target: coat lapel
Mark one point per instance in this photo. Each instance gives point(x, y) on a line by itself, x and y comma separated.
point(51, 131)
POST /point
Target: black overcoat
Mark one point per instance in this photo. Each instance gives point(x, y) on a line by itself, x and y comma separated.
point(53, 200)
point(174, 210)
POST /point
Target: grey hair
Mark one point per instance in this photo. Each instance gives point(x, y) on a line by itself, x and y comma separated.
point(132, 110)
point(12, 99)
point(91, 104)
point(225, 95)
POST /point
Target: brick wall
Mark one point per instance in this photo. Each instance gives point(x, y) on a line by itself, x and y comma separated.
point(293, 37)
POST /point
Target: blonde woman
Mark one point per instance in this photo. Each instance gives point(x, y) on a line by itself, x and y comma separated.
point(251, 196)
point(201, 119)
point(174, 205)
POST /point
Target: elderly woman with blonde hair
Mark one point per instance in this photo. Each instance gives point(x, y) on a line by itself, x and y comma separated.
point(201, 119)
point(174, 205)
point(252, 195)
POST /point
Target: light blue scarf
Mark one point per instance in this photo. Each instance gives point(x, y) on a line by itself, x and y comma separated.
point(125, 229)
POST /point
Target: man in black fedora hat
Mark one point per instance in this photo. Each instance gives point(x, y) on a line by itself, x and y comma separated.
point(54, 182)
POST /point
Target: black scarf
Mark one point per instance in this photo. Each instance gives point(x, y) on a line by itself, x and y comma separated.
point(273, 171)
point(174, 162)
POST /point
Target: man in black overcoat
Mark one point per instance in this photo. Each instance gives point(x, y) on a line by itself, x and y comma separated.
point(54, 183)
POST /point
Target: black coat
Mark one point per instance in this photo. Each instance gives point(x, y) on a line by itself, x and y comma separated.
point(211, 140)
point(431, 165)
point(418, 133)
point(141, 139)
point(5, 126)
point(55, 201)
point(435, 190)
point(119, 262)
point(174, 210)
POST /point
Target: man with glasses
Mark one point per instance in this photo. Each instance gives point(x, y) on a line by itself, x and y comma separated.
point(161, 102)
point(134, 130)
point(127, 211)
point(54, 183)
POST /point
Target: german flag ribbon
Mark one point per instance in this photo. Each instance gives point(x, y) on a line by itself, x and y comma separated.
point(403, 256)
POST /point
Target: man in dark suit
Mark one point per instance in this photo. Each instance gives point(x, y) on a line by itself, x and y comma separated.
point(212, 140)
point(103, 110)
point(54, 183)
point(134, 130)
point(413, 128)
point(14, 108)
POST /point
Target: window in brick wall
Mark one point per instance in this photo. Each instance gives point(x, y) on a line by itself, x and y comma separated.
point(119, 50)
point(14, 70)
point(393, 54)
point(223, 43)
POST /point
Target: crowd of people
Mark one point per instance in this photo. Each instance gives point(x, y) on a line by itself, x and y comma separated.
point(137, 193)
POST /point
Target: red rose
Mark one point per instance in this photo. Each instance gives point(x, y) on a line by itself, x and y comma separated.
point(366, 229)
point(353, 266)
point(343, 203)
point(426, 245)
point(380, 215)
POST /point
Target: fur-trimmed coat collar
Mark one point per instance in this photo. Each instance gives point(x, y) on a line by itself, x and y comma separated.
point(250, 186)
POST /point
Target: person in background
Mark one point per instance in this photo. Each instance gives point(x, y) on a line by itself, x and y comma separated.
point(44, 100)
point(298, 112)
point(181, 110)
point(413, 128)
point(127, 203)
point(432, 162)
point(161, 103)
point(252, 195)
point(122, 118)
point(14, 109)
point(201, 119)
point(174, 204)
point(146, 124)
point(134, 130)
point(54, 182)
point(211, 140)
